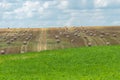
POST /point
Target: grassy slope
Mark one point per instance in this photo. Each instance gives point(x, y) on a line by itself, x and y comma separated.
point(95, 63)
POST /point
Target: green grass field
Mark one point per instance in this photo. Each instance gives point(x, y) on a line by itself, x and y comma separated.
point(87, 63)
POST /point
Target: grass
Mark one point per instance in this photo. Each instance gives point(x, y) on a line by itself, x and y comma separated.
point(94, 63)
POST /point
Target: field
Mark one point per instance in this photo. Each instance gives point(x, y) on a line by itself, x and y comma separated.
point(87, 63)
point(17, 40)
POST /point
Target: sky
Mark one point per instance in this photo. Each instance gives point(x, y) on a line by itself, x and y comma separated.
point(59, 13)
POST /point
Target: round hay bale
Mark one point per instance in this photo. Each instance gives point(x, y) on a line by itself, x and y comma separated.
point(24, 42)
point(8, 42)
point(91, 34)
point(58, 40)
point(94, 34)
point(15, 38)
point(78, 35)
point(75, 34)
point(2, 52)
point(67, 36)
point(102, 33)
point(85, 37)
point(89, 44)
point(114, 35)
point(56, 37)
point(72, 40)
point(11, 40)
point(27, 39)
point(101, 36)
point(30, 34)
point(107, 43)
point(107, 34)
point(60, 33)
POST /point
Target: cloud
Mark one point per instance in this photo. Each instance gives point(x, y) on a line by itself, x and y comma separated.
point(46, 5)
point(86, 17)
point(5, 5)
point(27, 10)
point(101, 3)
point(50, 4)
point(63, 4)
point(107, 4)
point(59, 12)
point(116, 22)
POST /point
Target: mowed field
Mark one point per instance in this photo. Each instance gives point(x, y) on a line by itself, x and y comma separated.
point(88, 63)
point(14, 40)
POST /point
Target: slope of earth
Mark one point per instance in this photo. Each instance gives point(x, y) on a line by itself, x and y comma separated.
point(86, 63)
point(22, 40)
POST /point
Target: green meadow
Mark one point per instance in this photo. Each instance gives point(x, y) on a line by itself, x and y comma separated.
point(86, 63)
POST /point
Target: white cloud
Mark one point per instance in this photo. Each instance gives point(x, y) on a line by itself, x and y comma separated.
point(63, 4)
point(100, 3)
point(30, 5)
point(5, 5)
point(27, 10)
point(46, 5)
point(86, 17)
point(106, 3)
point(50, 4)
point(84, 3)
point(30, 9)
point(116, 23)
point(60, 12)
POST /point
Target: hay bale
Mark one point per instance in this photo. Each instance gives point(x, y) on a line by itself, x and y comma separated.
point(58, 41)
point(8, 42)
point(56, 37)
point(2, 52)
point(89, 44)
point(114, 35)
point(72, 40)
point(24, 42)
point(67, 36)
point(101, 36)
point(85, 37)
point(107, 43)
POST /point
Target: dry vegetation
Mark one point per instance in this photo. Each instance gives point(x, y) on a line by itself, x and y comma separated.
point(37, 39)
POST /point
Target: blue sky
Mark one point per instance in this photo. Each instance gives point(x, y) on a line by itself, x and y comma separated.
point(56, 13)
